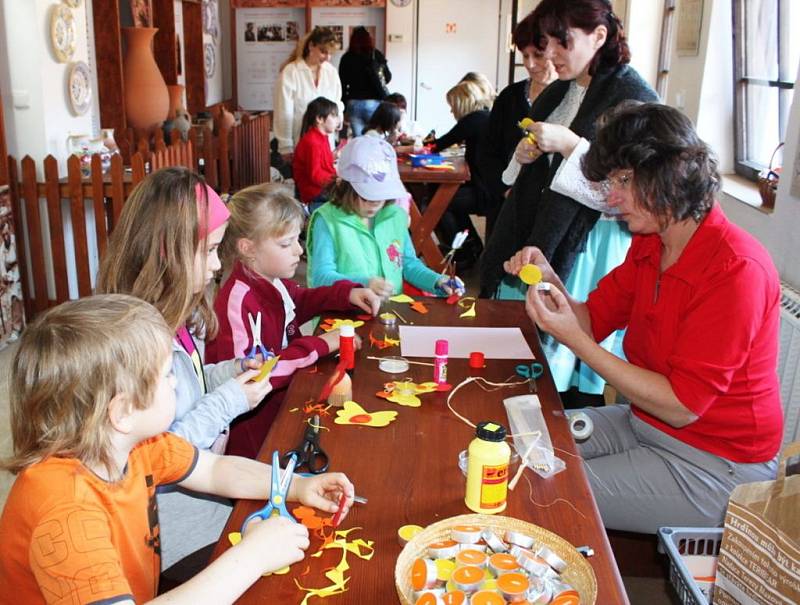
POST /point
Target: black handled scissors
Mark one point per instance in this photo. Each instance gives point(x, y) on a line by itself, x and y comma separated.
point(309, 453)
point(531, 372)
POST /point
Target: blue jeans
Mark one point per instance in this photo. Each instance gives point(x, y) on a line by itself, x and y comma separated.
point(359, 111)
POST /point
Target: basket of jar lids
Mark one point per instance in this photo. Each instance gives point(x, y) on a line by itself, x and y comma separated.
point(492, 560)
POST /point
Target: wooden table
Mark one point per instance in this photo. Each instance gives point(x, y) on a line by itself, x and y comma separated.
point(423, 224)
point(409, 472)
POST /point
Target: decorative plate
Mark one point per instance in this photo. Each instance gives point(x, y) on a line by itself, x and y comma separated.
point(210, 59)
point(73, 3)
point(79, 87)
point(211, 18)
point(401, 2)
point(62, 32)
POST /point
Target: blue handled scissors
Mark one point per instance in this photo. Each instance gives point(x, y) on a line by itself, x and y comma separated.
point(530, 371)
point(276, 505)
point(255, 331)
point(309, 453)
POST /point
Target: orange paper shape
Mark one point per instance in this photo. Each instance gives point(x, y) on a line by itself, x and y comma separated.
point(329, 324)
point(383, 344)
point(352, 413)
point(405, 393)
point(419, 307)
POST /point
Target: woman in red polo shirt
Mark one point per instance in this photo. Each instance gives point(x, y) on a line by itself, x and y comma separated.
point(700, 300)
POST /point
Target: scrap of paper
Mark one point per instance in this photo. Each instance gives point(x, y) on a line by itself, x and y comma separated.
point(330, 324)
point(352, 413)
point(469, 312)
point(419, 307)
point(452, 299)
point(401, 298)
point(405, 392)
point(530, 274)
point(266, 368)
point(382, 344)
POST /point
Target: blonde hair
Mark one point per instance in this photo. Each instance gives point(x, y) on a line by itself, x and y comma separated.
point(258, 212)
point(464, 98)
point(319, 36)
point(487, 92)
point(151, 251)
point(71, 362)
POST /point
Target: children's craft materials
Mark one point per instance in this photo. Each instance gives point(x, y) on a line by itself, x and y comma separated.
point(338, 375)
point(440, 362)
point(279, 487)
point(382, 343)
point(355, 414)
point(339, 510)
point(404, 392)
point(530, 435)
point(407, 532)
point(419, 307)
point(496, 343)
point(341, 391)
point(392, 365)
point(487, 470)
point(581, 426)
point(476, 360)
point(329, 324)
point(255, 334)
point(523, 124)
point(308, 453)
point(347, 346)
point(387, 319)
point(401, 298)
point(266, 368)
point(543, 286)
point(518, 576)
point(531, 371)
point(470, 312)
point(530, 274)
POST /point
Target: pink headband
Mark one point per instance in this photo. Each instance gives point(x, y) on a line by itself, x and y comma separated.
point(216, 212)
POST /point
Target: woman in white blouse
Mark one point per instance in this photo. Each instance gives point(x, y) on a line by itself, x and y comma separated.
point(307, 75)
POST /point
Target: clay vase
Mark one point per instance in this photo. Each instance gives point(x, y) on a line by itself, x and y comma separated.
point(226, 119)
point(146, 94)
point(175, 99)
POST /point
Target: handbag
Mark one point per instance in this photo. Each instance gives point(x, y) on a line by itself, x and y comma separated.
point(768, 182)
point(379, 71)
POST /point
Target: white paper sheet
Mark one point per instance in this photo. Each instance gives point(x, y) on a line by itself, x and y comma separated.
point(494, 343)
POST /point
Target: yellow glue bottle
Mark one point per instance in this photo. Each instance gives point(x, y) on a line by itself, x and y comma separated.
point(487, 469)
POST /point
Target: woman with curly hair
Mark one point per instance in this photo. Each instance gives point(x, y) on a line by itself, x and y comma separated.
point(700, 299)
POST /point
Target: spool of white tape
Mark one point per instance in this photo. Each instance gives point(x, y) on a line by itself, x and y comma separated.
point(581, 426)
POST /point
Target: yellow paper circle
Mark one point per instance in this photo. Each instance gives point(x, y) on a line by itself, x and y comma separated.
point(530, 274)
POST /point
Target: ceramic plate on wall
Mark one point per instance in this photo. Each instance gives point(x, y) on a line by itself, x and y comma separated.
point(210, 59)
point(62, 32)
point(73, 3)
point(79, 88)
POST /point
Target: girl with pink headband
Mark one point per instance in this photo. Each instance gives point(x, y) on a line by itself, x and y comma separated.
point(164, 250)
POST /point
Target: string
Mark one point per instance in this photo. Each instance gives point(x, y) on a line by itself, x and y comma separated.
point(480, 381)
point(588, 468)
point(535, 503)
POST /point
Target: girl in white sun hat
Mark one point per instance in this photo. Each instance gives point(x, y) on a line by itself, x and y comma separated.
point(361, 235)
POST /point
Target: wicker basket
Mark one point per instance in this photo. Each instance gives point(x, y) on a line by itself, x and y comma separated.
point(579, 574)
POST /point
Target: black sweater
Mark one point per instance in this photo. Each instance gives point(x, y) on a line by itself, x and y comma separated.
point(357, 72)
point(471, 130)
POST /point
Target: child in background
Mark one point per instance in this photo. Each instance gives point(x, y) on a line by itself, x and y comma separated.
point(397, 99)
point(164, 251)
point(384, 123)
point(361, 235)
point(262, 245)
point(92, 392)
point(312, 166)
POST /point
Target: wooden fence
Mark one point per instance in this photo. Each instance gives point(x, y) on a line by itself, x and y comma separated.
point(233, 159)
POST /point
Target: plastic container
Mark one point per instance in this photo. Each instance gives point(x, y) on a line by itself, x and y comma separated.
point(680, 541)
point(487, 469)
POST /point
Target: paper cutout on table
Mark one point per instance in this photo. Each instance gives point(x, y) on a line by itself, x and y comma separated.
point(363, 549)
point(401, 298)
point(419, 307)
point(530, 274)
point(383, 344)
point(364, 317)
point(308, 517)
point(235, 537)
point(405, 393)
point(266, 368)
point(352, 413)
point(496, 343)
point(452, 299)
point(311, 408)
point(469, 312)
point(327, 325)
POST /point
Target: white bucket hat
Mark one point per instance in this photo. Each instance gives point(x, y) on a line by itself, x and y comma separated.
point(369, 164)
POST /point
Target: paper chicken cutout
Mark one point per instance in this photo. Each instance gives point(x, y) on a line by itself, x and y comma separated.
point(405, 392)
point(402, 298)
point(383, 344)
point(352, 413)
point(329, 324)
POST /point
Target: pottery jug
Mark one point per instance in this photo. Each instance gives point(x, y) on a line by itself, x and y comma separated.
point(146, 94)
point(175, 99)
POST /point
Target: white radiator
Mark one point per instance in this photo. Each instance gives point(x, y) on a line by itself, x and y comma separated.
point(789, 362)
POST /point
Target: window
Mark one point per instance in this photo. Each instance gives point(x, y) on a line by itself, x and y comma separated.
point(766, 54)
point(665, 49)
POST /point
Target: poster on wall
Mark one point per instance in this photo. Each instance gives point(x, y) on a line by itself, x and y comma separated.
point(265, 37)
point(12, 316)
point(343, 20)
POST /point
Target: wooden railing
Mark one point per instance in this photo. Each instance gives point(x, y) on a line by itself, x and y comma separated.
point(233, 159)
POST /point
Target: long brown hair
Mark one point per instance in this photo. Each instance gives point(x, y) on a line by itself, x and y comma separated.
point(319, 36)
point(151, 251)
point(71, 362)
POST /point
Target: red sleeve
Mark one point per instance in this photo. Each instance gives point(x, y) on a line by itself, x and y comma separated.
point(733, 301)
point(299, 353)
point(321, 164)
point(73, 557)
point(310, 302)
point(172, 458)
point(610, 304)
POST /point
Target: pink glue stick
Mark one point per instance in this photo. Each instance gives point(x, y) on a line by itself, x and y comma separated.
point(440, 362)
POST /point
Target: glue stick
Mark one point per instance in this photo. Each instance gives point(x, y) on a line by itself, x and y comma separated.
point(440, 362)
point(347, 347)
point(487, 469)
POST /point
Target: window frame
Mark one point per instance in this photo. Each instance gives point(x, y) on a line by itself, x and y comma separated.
point(744, 166)
point(665, 48)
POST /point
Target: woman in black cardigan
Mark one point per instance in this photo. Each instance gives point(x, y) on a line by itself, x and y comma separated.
point(364, 73)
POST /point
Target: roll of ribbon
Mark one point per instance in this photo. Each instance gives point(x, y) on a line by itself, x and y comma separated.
point(581, 426)
point(393, 365)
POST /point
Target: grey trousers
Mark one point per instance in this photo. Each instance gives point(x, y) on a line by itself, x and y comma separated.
point(644, 479)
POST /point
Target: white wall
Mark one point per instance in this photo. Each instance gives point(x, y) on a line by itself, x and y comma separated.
point(401, 37)
point(642, 27)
